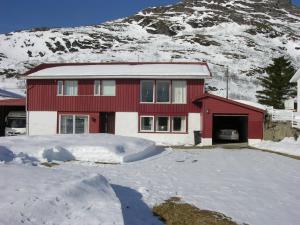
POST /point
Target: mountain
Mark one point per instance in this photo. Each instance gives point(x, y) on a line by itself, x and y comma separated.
point(243, 35)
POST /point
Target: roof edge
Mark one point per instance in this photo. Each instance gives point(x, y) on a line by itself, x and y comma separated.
point(51, 65)
point(207, 95)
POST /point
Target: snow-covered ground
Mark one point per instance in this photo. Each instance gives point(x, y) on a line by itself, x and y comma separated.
point(288, 146)
point(250, 186)
point(93, 147)
point(35, 196)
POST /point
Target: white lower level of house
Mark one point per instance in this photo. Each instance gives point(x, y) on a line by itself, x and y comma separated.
point(126, 124)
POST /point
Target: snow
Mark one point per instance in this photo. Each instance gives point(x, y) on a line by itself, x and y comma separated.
point(126, 70)
point(296, 76)
point(288, 146)
point(92, 147)
point(35, 195)
point(254, 104)
point(251, 186)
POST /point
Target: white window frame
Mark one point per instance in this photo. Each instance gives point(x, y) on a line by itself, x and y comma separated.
point(153, 91)
point(156, 124)
point(64, 84)
point(185, 123)
point(95, 88)
point(153, 124)
point(170, 88)
point(60, 82)
point(102, 88)
point(74, 121)
point(172, 92)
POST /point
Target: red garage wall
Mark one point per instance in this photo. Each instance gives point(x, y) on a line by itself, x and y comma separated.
point(216, 105)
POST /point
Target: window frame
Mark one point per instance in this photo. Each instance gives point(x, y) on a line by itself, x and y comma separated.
point(172, 92)
point(95, 88)
point(60, 82)
point(153, 91)
point(102, 88)
point(74, 123)
point(153, 124)
point(185, 124)
point(156, 124)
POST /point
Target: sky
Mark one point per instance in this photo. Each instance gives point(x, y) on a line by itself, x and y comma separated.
point(25, 14)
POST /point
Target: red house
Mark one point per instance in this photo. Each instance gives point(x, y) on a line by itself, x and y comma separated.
point(164, 102)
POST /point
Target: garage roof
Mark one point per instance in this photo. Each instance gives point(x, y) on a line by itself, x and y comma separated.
point(13, 102)
point(207, 95)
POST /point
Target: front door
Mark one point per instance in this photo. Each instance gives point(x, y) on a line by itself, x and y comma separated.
point(107, 122)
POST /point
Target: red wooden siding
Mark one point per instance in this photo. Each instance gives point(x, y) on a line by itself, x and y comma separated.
point(213, 106)
point(42, 96)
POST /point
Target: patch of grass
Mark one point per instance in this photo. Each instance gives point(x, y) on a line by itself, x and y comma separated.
point(49, 164)
point(175, 212)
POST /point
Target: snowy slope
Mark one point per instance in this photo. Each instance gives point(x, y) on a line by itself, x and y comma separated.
point(35, 195)
point(245, 35)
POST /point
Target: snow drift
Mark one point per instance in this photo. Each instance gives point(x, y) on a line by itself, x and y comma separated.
point(92, 147)
point(34, 195)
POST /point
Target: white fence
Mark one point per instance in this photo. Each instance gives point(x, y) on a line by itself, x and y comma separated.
point(285, 115)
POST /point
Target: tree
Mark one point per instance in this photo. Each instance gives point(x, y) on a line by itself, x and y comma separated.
point(276, 85)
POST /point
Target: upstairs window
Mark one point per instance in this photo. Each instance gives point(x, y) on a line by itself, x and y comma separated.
point(147, 87)
point(97, 87)
point(105, 88)
point(109, 88)
point(178, 91)
point(163, 91)
point(67, 87)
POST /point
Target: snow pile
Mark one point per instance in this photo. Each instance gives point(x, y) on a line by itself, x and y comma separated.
point(287, 145)
point(92, 147)
point(35, 195)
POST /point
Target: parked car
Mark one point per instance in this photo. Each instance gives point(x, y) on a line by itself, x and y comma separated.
point(228, 134)
point(15, 123)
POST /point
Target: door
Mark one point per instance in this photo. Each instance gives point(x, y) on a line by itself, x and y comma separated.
point(107, 122)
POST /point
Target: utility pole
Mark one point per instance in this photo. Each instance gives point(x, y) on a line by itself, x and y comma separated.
point(227, 81)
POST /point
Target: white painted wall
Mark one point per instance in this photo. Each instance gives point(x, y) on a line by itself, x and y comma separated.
point(206, 142)
point(41, 122)
point(254, 141)
point(127, 125)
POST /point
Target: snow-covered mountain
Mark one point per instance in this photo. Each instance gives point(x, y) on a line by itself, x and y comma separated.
point(242, 34)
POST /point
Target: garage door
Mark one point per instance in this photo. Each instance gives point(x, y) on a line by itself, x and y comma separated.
point(230, 128)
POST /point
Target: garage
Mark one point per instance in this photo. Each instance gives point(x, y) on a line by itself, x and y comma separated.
point(9, 105)
point(230, 128)
point(218, 113)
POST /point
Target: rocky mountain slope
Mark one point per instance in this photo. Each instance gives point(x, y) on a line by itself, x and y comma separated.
point(243, 35)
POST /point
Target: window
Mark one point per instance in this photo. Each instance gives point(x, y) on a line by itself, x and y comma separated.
point(73, 124)
point(178, 124)
point(109, 87)
point(147, 90)
point(162, 123)
point(105, 87)
point(147, 123)
point(70, 87)
point(179, 91)
point(60, 87)
point(163, 91)
point(97, 87)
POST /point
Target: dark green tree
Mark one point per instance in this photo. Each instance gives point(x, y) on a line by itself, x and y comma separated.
point(276, 85)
